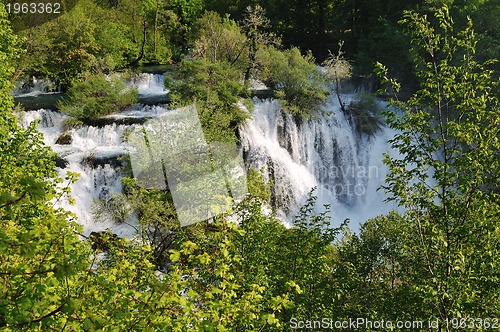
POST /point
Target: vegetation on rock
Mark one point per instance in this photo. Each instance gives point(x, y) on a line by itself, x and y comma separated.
point(97, 96)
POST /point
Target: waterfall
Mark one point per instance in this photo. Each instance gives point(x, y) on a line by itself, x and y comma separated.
point(325, 152)
point(150, 84)
point(33, 87)
point(89, 145)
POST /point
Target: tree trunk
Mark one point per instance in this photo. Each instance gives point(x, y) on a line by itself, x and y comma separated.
point(253, 58)
point(133, 21)
point(156, 29)
point(143, 47)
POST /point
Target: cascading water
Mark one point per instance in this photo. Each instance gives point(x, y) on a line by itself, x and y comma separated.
point(150, 84)
point(325, 152)
point(33, 87)
point(89, 152)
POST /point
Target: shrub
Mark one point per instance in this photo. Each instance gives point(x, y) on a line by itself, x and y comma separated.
point(96, 97)
point(296, 79)
point(366, 113)
point(216, 89)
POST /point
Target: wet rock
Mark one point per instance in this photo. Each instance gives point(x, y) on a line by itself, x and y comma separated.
point(105, 121)
point(94, 161)
point(61, 162)
point(64, 139)
point(263, 93)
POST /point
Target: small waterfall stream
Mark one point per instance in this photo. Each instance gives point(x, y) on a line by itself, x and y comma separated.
point(150, 84)
point(97, 181)
point(325, 152)
point(33, 87)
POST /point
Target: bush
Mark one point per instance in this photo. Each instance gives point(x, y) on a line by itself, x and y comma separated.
point(96, 97)
point(296, 79)
point(216, 89)
point(258, 186)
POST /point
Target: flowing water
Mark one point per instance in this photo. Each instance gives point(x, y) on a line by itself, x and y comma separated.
point(33, 87)
point(93, 153)
point(150, 84)
point(326, 153)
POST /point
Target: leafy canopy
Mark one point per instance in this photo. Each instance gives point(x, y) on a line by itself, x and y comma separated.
point(448, 171)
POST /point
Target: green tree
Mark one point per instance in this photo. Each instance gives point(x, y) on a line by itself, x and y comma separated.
point(272, 255)
point(216, 88)
point(40, 252)
point(255, 24)
point(116, 49)
point(295, 79)
point(447, 176)
point(74, 47)
point(369, 270)
point(228, 298)
point(488, 30)
point(218, 39)
point(338, 68)
point(188, 12)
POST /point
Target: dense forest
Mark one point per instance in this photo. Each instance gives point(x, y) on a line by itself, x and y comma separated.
point(432, 266)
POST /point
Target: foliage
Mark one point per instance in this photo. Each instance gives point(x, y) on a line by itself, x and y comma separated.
point(158, 224)
point(297, 81)
point(201, 291)
point(73, 47)
point(214, 277)
point(257, 185)
point(255, 23)
point(370, 269)
point(40, 253)
point(97, 96)
point(216, 90)
point(115, 48)
point(488, 30)
point(218, 39)
point(365, 113)
point(306, 244)
point(337, 68)
point(229, 301)
point(188, 12)
point(447, 176)
point(273, 255)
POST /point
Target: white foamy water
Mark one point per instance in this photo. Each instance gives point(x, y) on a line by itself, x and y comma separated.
point(150, 84)
point(33, 87)
point(98, 181)
point(325, 152)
